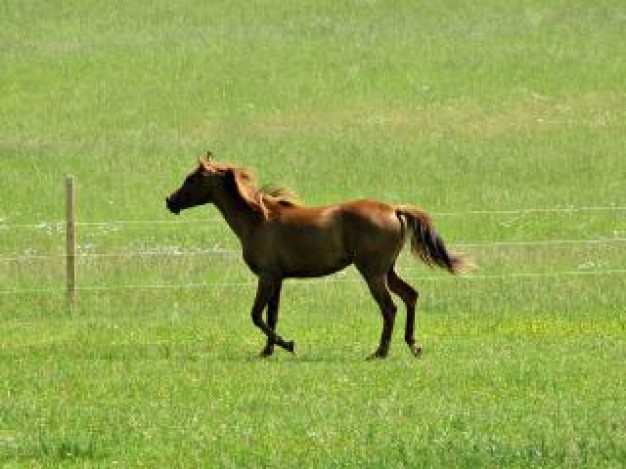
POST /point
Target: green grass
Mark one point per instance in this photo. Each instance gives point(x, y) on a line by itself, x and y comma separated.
point(455, 107)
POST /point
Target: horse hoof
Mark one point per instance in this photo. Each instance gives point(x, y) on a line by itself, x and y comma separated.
point(416, 350)
point(377, 355)
point(266, 352)
point(290, 346)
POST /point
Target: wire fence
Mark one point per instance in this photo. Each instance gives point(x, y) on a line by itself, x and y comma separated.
point(58, 227)
point(59, 224)
point(315, 282)
point(236, 252)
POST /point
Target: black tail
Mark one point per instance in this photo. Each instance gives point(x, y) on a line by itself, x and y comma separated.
point(428, 245)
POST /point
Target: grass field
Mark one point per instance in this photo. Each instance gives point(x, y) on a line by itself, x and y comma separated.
point(484, 114)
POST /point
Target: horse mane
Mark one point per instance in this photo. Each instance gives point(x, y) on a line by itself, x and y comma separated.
point(266, 200)
point(281, 195)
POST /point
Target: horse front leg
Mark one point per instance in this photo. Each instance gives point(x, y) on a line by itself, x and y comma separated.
point(272, 318)
point(269, 289)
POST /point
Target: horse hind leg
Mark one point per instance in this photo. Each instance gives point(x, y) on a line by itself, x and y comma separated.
point(409, 296)
point(378, 288)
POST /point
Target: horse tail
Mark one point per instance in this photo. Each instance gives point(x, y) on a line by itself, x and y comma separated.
point(428, 245)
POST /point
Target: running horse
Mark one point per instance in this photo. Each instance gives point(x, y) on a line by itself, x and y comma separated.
point(281, 239)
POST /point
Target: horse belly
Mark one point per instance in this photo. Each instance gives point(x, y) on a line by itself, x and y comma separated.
point(315, 269)
point(313, 253)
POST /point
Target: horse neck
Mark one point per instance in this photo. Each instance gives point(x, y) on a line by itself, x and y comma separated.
point(240, 218)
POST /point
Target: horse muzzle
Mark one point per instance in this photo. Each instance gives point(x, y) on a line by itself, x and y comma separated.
point(171, 206)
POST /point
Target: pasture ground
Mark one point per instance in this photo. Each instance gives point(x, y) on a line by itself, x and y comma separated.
point(481, 114)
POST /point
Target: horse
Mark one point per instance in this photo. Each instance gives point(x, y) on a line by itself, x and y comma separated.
point(281, 238)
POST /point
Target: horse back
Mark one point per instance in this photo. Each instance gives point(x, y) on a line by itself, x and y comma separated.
point(371, 228)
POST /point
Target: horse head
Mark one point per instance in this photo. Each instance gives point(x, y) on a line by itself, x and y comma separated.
point(196, 189)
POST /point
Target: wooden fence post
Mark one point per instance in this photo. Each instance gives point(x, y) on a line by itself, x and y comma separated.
point(70, 242)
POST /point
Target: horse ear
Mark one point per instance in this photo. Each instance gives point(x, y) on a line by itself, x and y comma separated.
point(205, 163)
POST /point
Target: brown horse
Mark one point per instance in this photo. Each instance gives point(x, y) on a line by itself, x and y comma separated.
point(283, 239)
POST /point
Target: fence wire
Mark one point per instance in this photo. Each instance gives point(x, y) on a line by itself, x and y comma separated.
point(58, 226)
point(237, 252)
point(336, 279)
